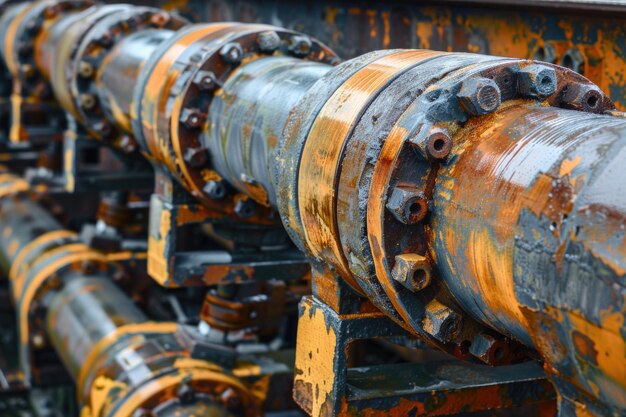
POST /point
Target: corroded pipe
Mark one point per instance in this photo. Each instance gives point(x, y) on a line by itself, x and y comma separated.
point(457, 192)
point(123, 364)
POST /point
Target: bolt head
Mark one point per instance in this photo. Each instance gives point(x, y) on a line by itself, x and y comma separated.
point(300, 45)
point(185, 394)
point(438, 144)
point(407, 204)
point(413, 271)
point(205, 81)
point(215, 189)
point(245, 208)
point(441, 322)
point(85, 69)
point(583, 97)
point(196, 157)
point(159, 19)
point(536, 81)
point(87, 101)
point(479, 96)
point(192, 118)
point(232, 53)
point(268, 41)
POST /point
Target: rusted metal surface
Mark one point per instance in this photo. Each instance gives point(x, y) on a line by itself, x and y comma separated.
point(471, 201)
point(555, 221)
point(512, 29)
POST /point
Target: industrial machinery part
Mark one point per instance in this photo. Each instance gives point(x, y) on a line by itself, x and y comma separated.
point(470, 201)
point(123, 364)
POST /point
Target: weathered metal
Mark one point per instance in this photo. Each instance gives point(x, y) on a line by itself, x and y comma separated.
point(471, 201)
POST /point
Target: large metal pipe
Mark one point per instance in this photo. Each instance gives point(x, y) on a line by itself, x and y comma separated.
point(447, 188)
point(123, 363)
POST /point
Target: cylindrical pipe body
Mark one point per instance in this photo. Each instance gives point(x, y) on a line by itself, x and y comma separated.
point(86, 311)
point(118, 75)
point(529, 236)
point(247, 118)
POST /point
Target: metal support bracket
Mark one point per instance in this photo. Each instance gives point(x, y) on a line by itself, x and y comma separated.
point(326, 386)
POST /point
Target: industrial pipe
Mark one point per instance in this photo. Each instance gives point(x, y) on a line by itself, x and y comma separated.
point(123, 364)
point(460, 193)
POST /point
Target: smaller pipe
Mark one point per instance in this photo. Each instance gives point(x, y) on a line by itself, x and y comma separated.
point(120, 71)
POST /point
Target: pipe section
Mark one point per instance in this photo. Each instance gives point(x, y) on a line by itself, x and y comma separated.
point(475, 200)
point(123, 364)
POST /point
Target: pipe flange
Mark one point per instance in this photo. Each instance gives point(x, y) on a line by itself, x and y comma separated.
point(23, 31)
point(91, 51)
point(411, 161)
point(176, 89)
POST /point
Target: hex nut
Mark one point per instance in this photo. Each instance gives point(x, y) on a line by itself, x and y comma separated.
point(300, 45)
point(85, 69)
point(536, 81)
point(488, 349)
point(215, 189)
point(245, 208)
point(185, 394)
point(441, 322)
point(583, 97)
point(268, 41)
point(545, 53)
point(232, 53)
point(205, 81)
point(159, 19)
point(87, 101)
point(574, 60)
point(196, 157)
point(192, 118)
point(407, 204)
point(479, 96)
point(438, 144)
point(413, 271)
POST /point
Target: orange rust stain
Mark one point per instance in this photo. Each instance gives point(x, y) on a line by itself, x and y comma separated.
point(568, 165)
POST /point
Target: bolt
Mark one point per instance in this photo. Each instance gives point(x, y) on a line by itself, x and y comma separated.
point(85, 69)
point(128, 144)
point(584, 97)
point(488, 349)
point(192, 118)
point(407, 204)
point(205, 81)
point(536, 81)
point(232, 53)
point(105, 39)
point(28, 70)
point(546, 53)
point(103, 128)
point(438, 144)
point(244, 208)
point(268, 41)
point(196, 157)
point(441, 322)
point(479, 96)
point(38, 340)
point(87, 101)
point(159, 19)
point(185, 394)
point(300, 45)
point(574, 60)
point(412, 271)
point(230, 398)
point(215, 189)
